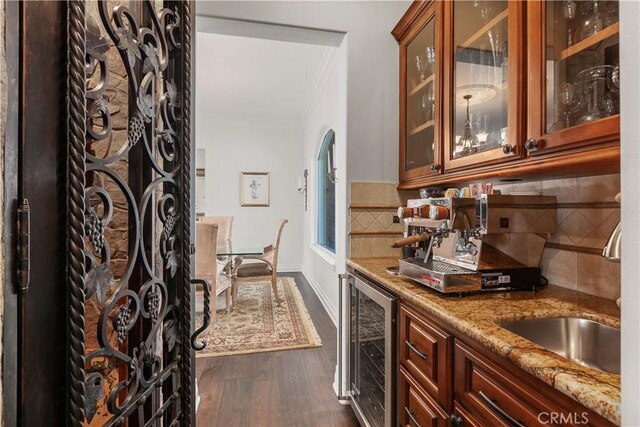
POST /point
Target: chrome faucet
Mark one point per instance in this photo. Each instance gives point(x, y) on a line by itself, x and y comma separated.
point(612, 250)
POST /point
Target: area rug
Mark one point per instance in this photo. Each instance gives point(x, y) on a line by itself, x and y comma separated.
point(257, 324)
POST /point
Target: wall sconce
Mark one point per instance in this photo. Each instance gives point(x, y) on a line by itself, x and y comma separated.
point(331, 166)
point(302, 187)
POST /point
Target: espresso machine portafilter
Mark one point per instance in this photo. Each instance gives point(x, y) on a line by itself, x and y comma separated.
point(492, 242)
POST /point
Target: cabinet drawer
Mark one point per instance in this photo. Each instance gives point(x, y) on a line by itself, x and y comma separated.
point(426, 352)
point(461, 418)
point(497, 397)
point(416, 408)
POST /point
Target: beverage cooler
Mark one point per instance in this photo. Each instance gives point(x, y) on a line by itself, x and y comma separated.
point(372, 352)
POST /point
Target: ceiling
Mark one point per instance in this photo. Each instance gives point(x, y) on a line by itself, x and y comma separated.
point(254, 78)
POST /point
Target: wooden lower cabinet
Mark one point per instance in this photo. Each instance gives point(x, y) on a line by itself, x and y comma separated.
point(426, 352)
point(462, 418)
point(447, 380)
point(497, 394)
point(416, 407)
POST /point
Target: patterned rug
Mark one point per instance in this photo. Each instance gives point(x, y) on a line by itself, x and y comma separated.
point(257, 324)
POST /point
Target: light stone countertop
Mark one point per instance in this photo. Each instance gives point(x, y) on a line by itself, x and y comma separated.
point(476, 316)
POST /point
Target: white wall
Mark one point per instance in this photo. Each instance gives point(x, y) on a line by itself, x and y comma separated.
point(372, 98)
point(233, 145)
point(324, 113)
point(367, 89)
point(630, 180)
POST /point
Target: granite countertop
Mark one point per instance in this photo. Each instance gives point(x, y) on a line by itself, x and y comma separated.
point(476, 315)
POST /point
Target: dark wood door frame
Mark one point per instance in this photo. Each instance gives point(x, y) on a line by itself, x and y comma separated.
point(34, 365)
point(10, 203)
point(43, 366)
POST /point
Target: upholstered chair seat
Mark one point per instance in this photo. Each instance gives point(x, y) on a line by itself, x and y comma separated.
point(254, 270)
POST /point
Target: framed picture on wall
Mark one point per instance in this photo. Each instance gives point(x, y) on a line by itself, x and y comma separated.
point(254, 188)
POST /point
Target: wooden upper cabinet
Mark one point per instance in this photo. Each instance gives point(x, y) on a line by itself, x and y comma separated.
point(421, 88)
point(484, 92)
point(496, 101)
point(574, 74)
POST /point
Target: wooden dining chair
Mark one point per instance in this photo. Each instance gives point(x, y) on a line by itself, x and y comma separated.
point(208, 266)
point(264, 267)
point(225, 226)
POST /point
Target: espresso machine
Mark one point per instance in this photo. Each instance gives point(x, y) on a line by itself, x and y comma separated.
point(485, 243)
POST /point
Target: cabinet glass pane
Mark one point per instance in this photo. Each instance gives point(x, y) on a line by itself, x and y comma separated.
point(582, 54)
point(480, 35)
point(421, 99)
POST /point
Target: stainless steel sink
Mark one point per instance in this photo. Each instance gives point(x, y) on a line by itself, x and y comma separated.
point(582, 341)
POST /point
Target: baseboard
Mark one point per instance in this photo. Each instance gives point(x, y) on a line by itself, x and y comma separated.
point(289, 268)
point(326, 303)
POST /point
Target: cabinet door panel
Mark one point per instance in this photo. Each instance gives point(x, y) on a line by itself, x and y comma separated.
point(496, 396)
point(484, 112)
point(461, 418)
point(425, 351)
point(575, 74)
point(420, 95)
point(416, 408)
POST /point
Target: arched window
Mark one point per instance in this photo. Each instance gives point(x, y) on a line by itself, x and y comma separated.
point(327, 193)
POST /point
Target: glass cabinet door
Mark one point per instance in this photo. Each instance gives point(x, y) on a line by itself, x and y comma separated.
point(580, 71)
point(421, 93)
point(484, 80)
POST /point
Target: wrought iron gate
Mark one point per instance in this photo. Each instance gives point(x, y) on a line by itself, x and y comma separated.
point(129, 247)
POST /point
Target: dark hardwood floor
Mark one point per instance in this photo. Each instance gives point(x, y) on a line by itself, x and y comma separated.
point(282, 388)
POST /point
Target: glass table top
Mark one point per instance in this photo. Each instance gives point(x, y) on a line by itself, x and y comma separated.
point(240, 247)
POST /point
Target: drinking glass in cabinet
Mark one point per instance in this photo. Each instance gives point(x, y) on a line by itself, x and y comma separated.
point(480, 76)
point(582, 62)
point(420, 99)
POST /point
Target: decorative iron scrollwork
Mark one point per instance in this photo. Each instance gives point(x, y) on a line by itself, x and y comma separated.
point(133, 220)
point(199, 346)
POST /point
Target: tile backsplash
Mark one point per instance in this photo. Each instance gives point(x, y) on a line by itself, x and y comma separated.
point(372, 208)
point(587, 213)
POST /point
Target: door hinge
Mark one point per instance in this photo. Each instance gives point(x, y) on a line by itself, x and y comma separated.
point(24, 243)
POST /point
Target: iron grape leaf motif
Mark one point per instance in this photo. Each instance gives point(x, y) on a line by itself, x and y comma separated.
point(151, 62)
point(97, 45)
point(127, 43)
point(172, 262)
point(94, 391)
point(146, 106)
point(169, 333)
point(172, 92)
point(99, 279)
point(167, 137)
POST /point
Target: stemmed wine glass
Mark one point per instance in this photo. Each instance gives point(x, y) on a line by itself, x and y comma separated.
point(431, 58)
point(421, 67)
point(567, 93)
point(593, 24)
point(569, 9)
point(428, 103)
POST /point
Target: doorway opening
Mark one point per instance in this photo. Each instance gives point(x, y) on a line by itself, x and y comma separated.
point(267, 96)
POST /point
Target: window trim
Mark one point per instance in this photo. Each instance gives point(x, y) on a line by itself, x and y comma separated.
point(328, 137)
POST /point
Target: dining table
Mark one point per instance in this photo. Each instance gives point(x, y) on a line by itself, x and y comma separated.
point(237, 249)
